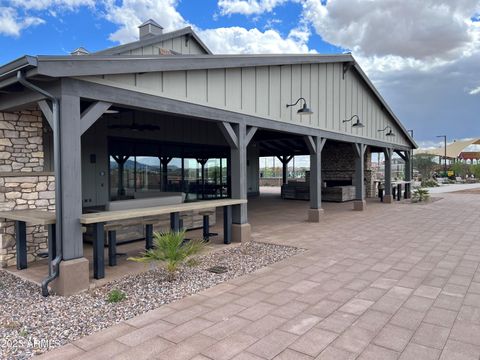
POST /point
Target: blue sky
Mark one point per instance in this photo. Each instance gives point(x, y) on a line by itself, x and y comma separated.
point(68, 29)
point(423, 56)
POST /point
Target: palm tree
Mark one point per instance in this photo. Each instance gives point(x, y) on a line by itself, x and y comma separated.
point(171, 251)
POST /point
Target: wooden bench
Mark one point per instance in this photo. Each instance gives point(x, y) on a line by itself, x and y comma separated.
point(98, 220)
point(33, 217)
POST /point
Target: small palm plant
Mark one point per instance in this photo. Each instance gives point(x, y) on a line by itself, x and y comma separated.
point(171, 251)
point(420, 195)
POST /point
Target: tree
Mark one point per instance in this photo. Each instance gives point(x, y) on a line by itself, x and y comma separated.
point(424, 164)
point(475, 170)
point(460, 169)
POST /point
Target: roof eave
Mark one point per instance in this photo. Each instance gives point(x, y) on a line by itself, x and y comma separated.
point(385, 105)
point(23, 63)
point(92, 65)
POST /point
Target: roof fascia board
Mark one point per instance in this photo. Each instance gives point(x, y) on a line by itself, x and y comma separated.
point(87, 65)
point(132, 99)
point(384, 103)
point(11, 68)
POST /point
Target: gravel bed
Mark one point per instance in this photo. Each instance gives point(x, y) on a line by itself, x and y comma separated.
point(30, 323)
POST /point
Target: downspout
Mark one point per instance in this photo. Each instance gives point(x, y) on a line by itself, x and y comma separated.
point(54, 269)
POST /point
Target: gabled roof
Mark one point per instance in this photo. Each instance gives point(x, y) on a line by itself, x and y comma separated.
point(101, 64)
point(154, 40)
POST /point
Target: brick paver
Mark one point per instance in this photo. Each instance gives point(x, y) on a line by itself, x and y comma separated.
point(396, 281)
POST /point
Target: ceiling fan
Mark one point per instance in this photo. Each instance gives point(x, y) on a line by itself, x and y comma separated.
point(134, 126)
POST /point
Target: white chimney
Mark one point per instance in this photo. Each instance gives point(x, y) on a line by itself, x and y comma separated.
point(150, 28)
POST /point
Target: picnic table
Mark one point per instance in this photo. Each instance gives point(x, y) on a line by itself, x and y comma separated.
point(99, 219)
point(34, 217)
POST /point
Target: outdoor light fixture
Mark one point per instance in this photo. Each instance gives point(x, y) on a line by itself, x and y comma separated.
point(111, 111)
point(390, 132)
point(357, 123)
point(305, 110)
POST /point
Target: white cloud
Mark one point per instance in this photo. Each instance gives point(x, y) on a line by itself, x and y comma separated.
point(248, 7)
point(46, 4)
point(129, 14)
point(398, 33)
point(235, 40)
point(475, 91)
point(11, 24)
point(226, 40)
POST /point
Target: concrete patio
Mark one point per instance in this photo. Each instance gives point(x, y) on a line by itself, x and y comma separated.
point(395, 281)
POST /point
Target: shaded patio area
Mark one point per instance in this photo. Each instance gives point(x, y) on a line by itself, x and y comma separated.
point(393, 282)
point(267, 211)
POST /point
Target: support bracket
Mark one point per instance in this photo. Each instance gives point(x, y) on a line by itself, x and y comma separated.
point(312, 149)
point(312, 145)
point(251, 130)
point(92, 114)
point(359, 149)
point(402, 156)
point(47, 112)
point(388, 153)
point(229, 134)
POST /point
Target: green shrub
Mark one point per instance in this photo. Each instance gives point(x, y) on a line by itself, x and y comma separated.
point(420, 195)
point(171, 251)
point(429, 183)
point(115, 296)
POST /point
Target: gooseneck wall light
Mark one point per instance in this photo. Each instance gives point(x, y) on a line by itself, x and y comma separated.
point(357, 123)
point(389, 132)
point(305, 110)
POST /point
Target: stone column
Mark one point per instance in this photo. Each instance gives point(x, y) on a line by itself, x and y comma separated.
point(359, 203)
point(388, 198)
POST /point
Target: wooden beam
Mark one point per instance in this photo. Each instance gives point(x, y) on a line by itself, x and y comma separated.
point(47, 112)
point(359, 149)
point(321, 144)
point(250, 133)
point(403, 156)
point(388, 153)
point(310, 144)
point(92, 114)
point(229, 134)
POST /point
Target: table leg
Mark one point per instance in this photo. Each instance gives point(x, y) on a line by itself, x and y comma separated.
point(21, 238)
point(112, 248)
point(148, 236)
point(206, 227)
point(52, 246)
point(399, 192)
point(227, 224)
point(175, 221)
point(98, 251)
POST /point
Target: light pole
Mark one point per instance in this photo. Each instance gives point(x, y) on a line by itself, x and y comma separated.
point(445, 152)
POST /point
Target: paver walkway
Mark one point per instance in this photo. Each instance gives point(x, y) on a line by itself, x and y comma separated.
point(396, 281)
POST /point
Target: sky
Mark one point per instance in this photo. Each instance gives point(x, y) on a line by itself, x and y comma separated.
point(422, 55)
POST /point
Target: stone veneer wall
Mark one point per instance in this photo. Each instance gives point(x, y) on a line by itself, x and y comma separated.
point(23, 184)
point(21, 142)
point(19, 192)
point(338, 163)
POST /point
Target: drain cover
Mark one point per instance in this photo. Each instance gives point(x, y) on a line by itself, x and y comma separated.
point(218, 269)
